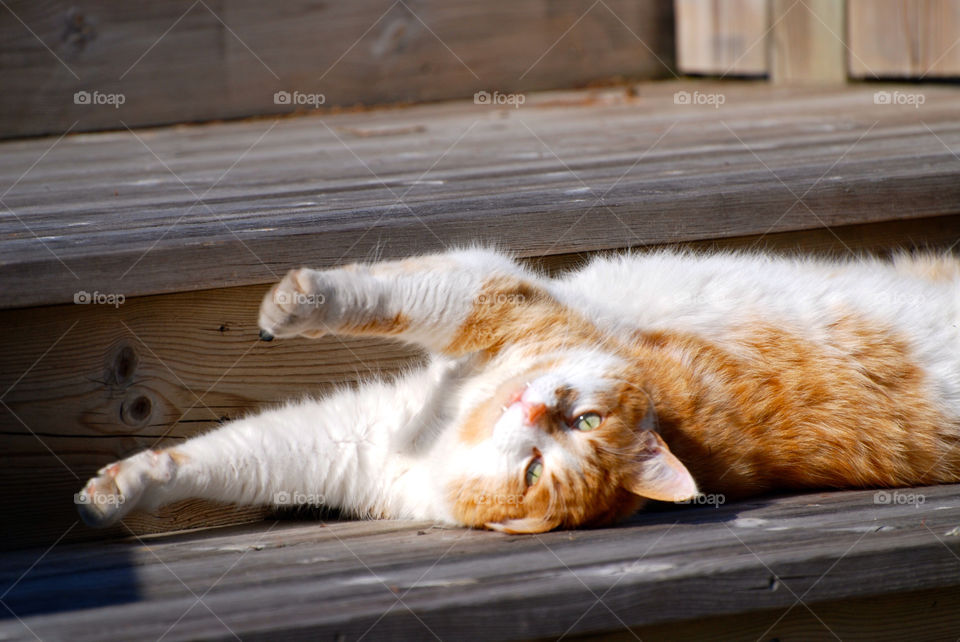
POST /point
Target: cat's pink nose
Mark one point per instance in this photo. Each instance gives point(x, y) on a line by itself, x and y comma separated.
point(534, 411)
point(530, 402)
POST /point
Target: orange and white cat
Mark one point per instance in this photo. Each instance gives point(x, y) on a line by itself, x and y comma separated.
point(571, 401)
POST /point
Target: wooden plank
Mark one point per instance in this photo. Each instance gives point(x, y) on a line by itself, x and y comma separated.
point(396, 580)
point(84, 385)
point(916, 615)
point(108, 213)
point(894, 39)
point(722, 38)
point(186, 61)
point(806, 43)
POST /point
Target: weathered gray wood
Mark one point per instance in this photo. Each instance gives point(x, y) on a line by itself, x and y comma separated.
point(563, 173)
point(180, 60)
point(311, 580)
point(918, 616)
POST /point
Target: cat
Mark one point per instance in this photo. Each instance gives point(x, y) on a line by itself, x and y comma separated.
point(571, 401)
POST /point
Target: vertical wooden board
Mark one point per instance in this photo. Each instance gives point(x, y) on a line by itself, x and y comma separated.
point(182, 61)
point(900, 39)
point(722, 37)
point(807, 42)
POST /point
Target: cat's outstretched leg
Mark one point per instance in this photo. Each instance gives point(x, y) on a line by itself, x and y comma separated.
point(453, 303)
point(340, 452)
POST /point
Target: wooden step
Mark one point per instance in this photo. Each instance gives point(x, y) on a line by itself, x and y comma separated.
point(845, 565)
point(564, 175)
point(188, 224)
point(197, 207)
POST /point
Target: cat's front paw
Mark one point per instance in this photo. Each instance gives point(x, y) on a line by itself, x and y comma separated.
point(120, 487)
point(297, 305)
point(100, 502)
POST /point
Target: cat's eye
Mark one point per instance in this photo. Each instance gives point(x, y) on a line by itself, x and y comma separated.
point(534, 470)
point(587, 421)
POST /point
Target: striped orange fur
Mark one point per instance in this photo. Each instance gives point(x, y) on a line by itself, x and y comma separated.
point(767, 409)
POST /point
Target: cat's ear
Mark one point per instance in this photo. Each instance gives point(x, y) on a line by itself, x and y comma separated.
point(523, 526)
point(657, 473)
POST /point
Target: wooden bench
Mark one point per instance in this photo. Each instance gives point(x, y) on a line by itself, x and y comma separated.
point(187, 224)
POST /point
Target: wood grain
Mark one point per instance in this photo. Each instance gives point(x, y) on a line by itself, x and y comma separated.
point(896, 39)
point(916, 615)
point(183, 61)
point(402, 580)
point(807, 42)
point(722, 38)
point(108, 382)
point(108, 213)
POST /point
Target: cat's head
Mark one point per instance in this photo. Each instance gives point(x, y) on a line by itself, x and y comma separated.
point(570, 441)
